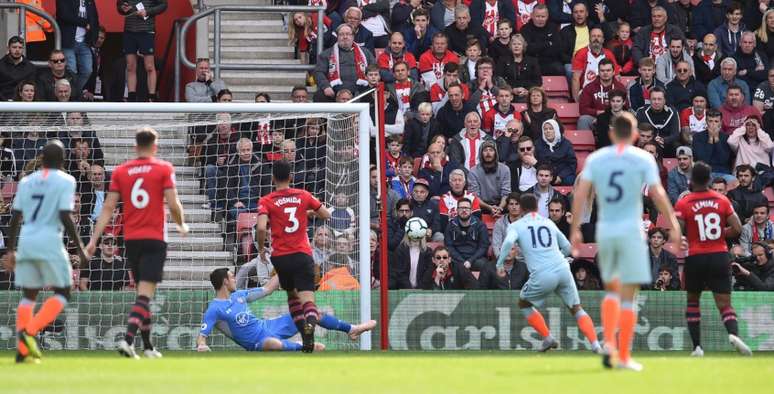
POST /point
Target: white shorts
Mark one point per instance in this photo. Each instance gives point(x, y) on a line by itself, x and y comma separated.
point(625, 258)
point(38, 274)
point(540, 285)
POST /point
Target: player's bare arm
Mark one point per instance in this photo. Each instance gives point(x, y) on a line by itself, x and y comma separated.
point(660, 198)
point(104, 217)
point(260, 231)
point(72, 232)
point(176, 210)
point(582, 191)
point(734, 227)
point(9, 260)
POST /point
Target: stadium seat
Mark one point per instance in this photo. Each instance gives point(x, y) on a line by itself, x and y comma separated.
point(489, 221)
point(417, 163)
point(519, 107)
point(434, 245)
point(588, 252)
point(568, 113)
point(556, 87)
point(582, 140)
point(669, 164)
point(565, 190)
point(769, 193)
point(245, 223)
point(581, 156)
point(8, 191)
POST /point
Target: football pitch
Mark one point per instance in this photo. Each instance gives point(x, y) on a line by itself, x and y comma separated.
point(376, 372)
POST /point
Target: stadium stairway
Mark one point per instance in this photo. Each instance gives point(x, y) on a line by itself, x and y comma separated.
point(249, 37)
point(191, 259)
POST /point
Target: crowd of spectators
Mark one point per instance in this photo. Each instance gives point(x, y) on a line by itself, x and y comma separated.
point(469, 124)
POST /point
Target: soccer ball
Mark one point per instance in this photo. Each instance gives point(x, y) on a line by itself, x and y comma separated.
point(416, 228)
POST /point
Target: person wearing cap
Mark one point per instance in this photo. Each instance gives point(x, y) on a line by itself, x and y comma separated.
point(490, 180)
point(677, 179)
point(751, 144)
point(107, 271)
point(558, 153)
point(426, 208)
point(14, 68)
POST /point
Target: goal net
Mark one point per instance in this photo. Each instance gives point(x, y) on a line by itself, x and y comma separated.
point(223, 155)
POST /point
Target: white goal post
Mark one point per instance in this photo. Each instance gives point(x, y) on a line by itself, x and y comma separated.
point(359, 113)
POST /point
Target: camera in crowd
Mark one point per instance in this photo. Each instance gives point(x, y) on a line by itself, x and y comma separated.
point(746, 262)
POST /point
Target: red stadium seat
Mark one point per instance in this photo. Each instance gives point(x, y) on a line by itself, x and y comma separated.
point(568, 113)
point(582, 140)
point(519, 107)
point(581, 156)
point(565, 190)
point(434, 245)
point(489, 221)
point(8, 191)
point(588, 252)
point(669, 164)
point(245, 223)
point(769, 193)
point(556, 87)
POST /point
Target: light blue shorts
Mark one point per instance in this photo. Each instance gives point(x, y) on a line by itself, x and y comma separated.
point(37, 274)
point(542, 284)
point(281, 327)
point(624, 257)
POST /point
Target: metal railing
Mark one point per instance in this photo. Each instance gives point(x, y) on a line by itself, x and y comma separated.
point(23, 9)
point(216, 62)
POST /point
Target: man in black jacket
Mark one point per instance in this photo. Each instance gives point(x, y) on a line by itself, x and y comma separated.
point(14, 68)
point(543, 41)
point(513, 276)
point(459, 31)
point(79, 22)
point(218, 147)
point(47, 77)
point(247, 180)
point(746, 195)
point(758, 275)
point(467, 238)
point(396, 226)
point(426, 208)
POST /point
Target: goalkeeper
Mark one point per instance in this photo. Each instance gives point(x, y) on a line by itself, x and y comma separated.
point(230, 313)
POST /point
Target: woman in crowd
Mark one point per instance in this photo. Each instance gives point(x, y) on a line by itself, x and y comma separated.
point(520, 71)
point(557, 152)
point(537, 112)
point(409, 262)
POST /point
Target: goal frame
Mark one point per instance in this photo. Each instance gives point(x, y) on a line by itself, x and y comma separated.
point(361, 109)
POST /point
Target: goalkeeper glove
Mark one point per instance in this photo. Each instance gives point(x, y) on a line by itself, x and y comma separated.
point(203, 348)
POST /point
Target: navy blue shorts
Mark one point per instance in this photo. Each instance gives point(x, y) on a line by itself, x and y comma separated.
point(139, 42)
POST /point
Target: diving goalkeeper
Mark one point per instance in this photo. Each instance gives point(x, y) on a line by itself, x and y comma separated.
point(229, 312)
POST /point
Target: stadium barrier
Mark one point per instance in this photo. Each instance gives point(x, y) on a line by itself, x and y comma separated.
point(420, 321)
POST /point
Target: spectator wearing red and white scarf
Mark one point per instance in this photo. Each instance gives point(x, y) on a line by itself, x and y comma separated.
point(466, 145)
point(407, 91)
point(341, 66)
point(432, 62)
point(585, 63)
point(487, 13)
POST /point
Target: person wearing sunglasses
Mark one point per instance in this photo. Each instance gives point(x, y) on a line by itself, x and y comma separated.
point(684, 87)
point(57, 69)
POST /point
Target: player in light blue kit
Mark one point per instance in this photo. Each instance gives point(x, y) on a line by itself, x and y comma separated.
point(619, 173)
point(540, 242)
point(230, 313)
point(45, 201)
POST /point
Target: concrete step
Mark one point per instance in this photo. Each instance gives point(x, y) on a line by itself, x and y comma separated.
point(213, 3)
point(129, 142)
point(186, 284)
point(187, 187)
point(194, 243)
point(115, 157)
point(202, 273)
point(193, 215)
point(197, 228)
point(196, 258)
point(262, 61)
point(249, 24)
point(239, 78)
point(181, 172)
point(268, 52)
point(251, 39)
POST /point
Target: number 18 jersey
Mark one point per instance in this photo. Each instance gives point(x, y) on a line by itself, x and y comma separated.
point(705, 214)
point(286, 210)
point(141, 184)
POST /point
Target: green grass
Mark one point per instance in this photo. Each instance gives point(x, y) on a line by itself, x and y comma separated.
point(394, 372)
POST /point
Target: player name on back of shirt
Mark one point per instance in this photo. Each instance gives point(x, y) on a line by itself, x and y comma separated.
point(287, 200)
point(698, 205)
point(139, 170)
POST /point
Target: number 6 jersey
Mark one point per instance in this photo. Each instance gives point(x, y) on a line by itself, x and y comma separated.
point(286, 210)
point(141, 184)
point(705, 214)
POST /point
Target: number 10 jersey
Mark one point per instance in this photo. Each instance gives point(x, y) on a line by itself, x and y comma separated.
point(705, 214)
point(141, 184)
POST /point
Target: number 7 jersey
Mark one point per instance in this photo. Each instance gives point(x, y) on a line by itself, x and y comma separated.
point(705, 214)
point(141, 184)
point(286, 210)
point(619, 173)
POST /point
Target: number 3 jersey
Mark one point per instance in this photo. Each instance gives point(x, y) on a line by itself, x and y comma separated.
point(705, 214)
point(619, 174)
point(286, 210)
point(141, 184)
